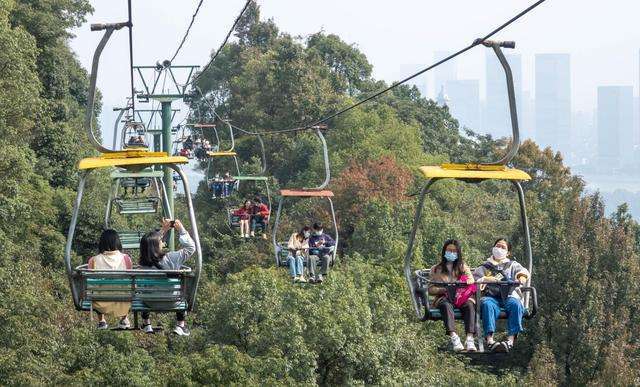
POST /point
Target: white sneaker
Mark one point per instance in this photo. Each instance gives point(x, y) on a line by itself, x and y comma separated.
point(181, 331)
point(147, 328)
point(456, 343)
point(124, 324)
point(471, 345)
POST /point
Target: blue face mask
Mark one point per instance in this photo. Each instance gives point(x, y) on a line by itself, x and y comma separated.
point(450, 256)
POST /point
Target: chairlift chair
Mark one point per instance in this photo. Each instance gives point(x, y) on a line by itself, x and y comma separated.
point(147, 290)
point(418, 280)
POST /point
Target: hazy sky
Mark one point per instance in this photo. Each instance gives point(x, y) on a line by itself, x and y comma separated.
point(398, 37)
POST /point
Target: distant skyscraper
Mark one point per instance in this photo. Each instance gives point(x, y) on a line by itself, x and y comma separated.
point(447, 71)
point(553, 101)
point(615, 125)
point(526, 116)
point(496, 117)
point(464, 102)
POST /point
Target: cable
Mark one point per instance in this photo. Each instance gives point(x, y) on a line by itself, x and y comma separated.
point(396, 84)
point(186, 34)
point(224, 43)
point(133, 90)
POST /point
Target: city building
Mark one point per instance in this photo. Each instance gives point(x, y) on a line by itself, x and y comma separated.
point(447, 71)
point(464, 102)
point(615, 126)
point(553, 101)
point(496, 117)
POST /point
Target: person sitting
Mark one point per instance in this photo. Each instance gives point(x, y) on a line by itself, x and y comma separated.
point(228, 185)
point(499, 267)
point(153, 258)
point(111, 258)
point(244, 213)
point(142, 183)
point(188, 143)
point(321, 247)
point(452, 268)
point(217, 186)
point(298, 247)
point(259, 217)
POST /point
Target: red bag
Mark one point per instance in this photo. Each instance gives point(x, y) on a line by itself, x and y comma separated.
point(464, 293)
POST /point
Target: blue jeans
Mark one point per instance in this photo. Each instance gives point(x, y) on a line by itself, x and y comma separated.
point(258, 221)
point(490, 309)
point(295, 265)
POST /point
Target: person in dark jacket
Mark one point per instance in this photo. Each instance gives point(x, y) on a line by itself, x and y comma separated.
point(321, 247)
point(260, 217)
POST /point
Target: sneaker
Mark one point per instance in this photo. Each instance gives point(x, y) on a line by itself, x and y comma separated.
point(456, 344)
point(181, 331)
point(498, 347)
point(147, 328)
point(295, 279)
point(253, 234)
point(302, 279)
point(319, 278)
point(103, 325)
point(124, 324)
point(264, 236)
point(471, 345)
point(312, 280)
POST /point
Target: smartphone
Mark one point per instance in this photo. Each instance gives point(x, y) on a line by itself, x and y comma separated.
point(172, 224)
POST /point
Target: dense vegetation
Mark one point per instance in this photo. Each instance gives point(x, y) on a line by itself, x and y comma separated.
point(253, 326)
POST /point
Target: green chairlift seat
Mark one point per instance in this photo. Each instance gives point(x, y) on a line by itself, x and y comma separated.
point(147, 290)
point(130, 239)
point(147, 205)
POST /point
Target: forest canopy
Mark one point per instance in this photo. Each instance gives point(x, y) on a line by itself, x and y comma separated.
point(252, 325)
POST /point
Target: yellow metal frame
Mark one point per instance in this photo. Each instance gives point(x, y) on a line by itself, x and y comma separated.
point(221, 153)
point(474, 172)
point(130, 160)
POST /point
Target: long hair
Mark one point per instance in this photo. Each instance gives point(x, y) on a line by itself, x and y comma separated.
point(458, 264)
point(109, 241)
point(151, 250)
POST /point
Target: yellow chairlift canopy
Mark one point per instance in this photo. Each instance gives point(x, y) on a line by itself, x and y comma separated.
point(473, 172)
point(130, 160)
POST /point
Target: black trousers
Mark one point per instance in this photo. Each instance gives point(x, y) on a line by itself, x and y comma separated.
point(468, 310)
point(180, 315)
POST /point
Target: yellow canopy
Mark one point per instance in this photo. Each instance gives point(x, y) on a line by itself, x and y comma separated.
point(130, 160)
point(221, 153)
point(474, 172)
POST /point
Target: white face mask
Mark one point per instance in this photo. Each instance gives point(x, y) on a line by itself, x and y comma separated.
point(499, 253)
point(307, 234)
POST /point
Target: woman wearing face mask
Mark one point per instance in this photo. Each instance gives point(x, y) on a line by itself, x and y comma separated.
point(499, 267)
point(453, 269)
point(298, 246)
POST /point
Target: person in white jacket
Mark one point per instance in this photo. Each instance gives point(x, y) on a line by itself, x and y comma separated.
point(152, 257)
point(298, 247)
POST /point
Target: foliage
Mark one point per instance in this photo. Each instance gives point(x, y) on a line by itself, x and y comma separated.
point(253, 326)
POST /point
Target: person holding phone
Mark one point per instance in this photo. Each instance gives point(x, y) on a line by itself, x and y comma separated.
point(498, 267)
point(153, 257)
point(321, 248)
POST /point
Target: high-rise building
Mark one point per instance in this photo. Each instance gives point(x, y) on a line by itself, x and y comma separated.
point(447, 71)
point(553, 101)
point(464, 102)
point(615, 125)
point(496, 116)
